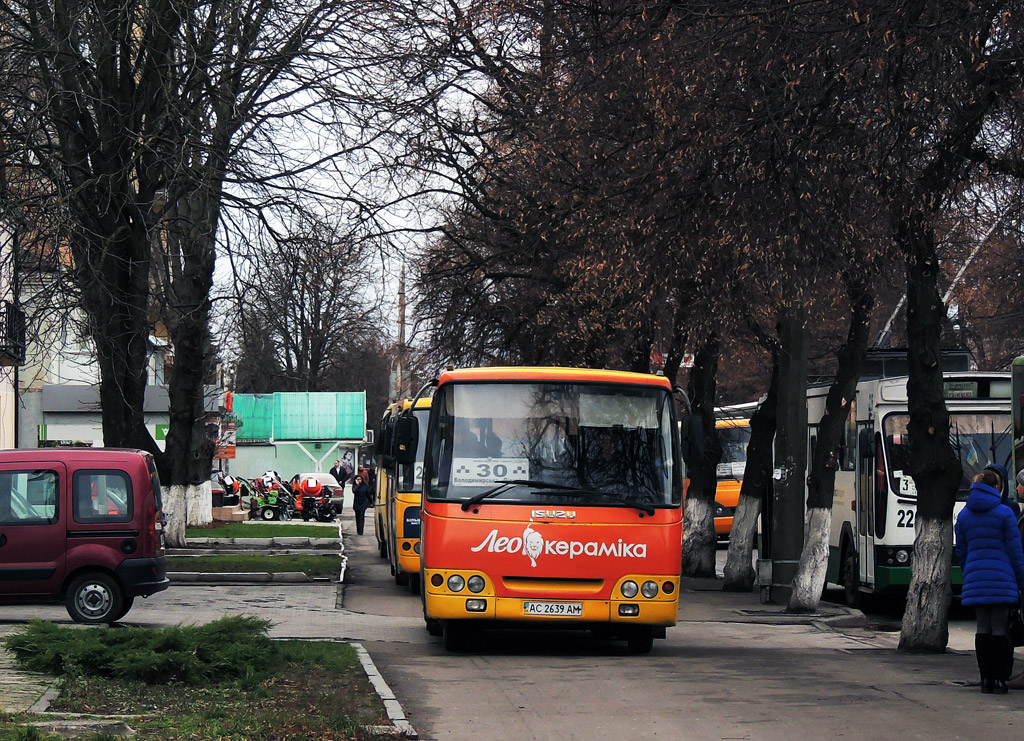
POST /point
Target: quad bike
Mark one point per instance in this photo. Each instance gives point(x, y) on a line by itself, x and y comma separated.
point(314, 500)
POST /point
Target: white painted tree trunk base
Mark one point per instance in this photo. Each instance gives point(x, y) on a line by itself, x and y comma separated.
point(699, 540)
point(926, 619)
point(188, 505)
point(739, 568)
point(810, 573)
point(199, 504)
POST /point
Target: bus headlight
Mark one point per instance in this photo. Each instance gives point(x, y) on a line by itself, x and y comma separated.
point(629, 589)
point(475, 584)
point(649, 589)
point(456, 583)
point(902, 557)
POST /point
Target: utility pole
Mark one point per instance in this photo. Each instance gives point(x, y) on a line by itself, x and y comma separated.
point(787, 510)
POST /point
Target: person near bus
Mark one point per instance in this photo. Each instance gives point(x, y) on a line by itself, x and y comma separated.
point(1017, 683)
point(360, 501)
point(988, 546)
point(1004, 487)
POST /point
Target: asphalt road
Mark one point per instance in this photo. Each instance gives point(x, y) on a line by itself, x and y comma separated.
point(717, 675)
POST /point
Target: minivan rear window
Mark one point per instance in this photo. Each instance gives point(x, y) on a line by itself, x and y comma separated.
point(102, 496)
point(28, 497)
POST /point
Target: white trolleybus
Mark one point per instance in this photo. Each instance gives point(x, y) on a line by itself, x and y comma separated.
point(871, 546)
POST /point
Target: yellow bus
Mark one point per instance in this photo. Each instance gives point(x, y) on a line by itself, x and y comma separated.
point(398, 497)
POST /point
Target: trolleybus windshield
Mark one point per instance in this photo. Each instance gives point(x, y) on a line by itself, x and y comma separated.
point(554, 443)
point(977, 438)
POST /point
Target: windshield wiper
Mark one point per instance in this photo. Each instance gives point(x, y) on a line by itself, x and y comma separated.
point(502, 486)
point(576, 492)
point(569, 491)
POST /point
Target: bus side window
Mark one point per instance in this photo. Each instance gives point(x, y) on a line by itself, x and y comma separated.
point(848, 448)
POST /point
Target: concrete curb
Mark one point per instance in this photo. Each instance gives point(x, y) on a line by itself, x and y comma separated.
point(255, 577)
point(391, 704)
point(257, 543)
point(838, 618)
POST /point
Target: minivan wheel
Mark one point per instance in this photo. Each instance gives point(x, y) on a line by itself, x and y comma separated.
point(93, 599)
point(126, 605)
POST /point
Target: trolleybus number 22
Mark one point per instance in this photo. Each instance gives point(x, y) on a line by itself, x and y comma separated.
point(905, 518)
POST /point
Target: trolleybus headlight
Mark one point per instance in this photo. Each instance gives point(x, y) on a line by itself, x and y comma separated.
point(629, 589)
point(456, 583)
point(649, 589)
point(902, 556)
point(475, 584)
point(476, 605)
point(629, 610)
point(416, 548)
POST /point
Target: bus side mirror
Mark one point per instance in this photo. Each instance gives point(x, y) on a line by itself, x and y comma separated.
point(691, 430)
point(407, 434)
point(384, 448)
point(866, 444)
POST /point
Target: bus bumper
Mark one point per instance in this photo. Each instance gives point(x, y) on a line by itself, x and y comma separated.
point(512, 609)
point(408, 555)
point(898, 577)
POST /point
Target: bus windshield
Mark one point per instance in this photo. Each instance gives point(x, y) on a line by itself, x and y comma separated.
point(600, 445)
point(410, 476)
point(978, 438)
point(734, 452)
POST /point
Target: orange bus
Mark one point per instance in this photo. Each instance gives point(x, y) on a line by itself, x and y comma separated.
point(551, 499)
point(733, 426)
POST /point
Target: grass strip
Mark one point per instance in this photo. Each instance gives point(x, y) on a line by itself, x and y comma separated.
point(310, 564)
point(262, 530)
point(229, 681)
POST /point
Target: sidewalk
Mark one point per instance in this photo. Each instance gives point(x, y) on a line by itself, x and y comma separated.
point(21, 691)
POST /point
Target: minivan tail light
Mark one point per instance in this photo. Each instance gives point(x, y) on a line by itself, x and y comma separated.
point(154, 532)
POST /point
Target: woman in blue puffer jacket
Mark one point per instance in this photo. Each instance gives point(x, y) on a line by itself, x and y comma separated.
point(989, 549)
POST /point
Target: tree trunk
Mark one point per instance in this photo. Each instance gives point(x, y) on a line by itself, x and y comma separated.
point(821, 483)
point(189, 450)
point(757, 475)
point(699, 539)
point(115, 294)
point(935, 469)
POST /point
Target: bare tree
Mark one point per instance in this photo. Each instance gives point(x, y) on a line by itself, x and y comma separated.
point(305, 312)
point(146, 120)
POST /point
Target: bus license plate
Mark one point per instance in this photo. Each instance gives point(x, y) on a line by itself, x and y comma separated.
point(569, 609)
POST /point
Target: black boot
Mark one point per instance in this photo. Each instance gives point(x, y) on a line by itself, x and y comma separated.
point(1002, 657)
point(983, 653)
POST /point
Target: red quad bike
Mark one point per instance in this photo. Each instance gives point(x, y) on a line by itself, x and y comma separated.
point(316, 500)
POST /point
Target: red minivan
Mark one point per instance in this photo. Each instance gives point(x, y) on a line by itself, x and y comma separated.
point(83, 525)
